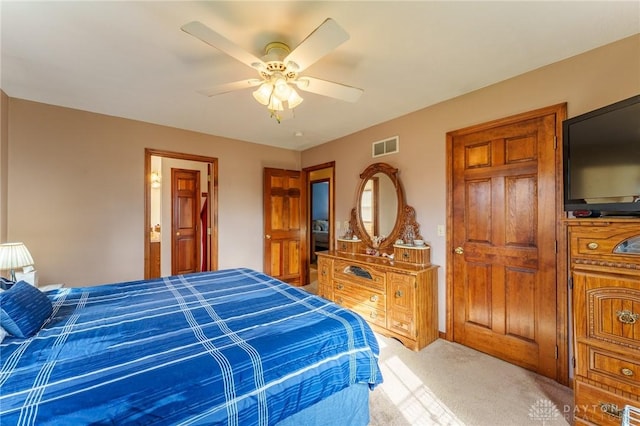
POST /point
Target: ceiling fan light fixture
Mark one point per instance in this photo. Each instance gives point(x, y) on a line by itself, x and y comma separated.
point(259, 66)
point(302, 83)
point(279, 67)
point(282, 89)
point(294, 99)
point(263, 94)
point(275, 104)
point(293, 67)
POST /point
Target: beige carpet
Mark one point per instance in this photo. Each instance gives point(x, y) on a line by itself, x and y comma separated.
point(450, 384)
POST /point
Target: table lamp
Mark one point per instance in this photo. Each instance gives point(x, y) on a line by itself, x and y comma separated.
point(14, 255)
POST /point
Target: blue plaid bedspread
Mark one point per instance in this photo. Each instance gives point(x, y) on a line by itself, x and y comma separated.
point(232, 347)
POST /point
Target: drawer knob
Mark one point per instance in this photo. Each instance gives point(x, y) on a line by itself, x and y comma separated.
point(592, 245)
point(399, 293)
point(374, 298)
point(611, 409)
point(340, 286)
point(373, 315)
point(627, 317)
point(324, 273)
point(627, 372)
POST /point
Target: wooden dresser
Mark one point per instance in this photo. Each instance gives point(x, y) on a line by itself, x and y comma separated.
point(604, 260)
point(398, 299)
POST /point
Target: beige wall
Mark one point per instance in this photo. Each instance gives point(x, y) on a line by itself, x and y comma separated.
point(75, 179)
point(586, 82)
point(75, 193)
point(4, 160)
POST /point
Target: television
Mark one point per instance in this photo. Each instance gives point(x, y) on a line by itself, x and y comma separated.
point(601, 160)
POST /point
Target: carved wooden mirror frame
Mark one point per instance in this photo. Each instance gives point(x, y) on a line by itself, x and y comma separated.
point(405, 228)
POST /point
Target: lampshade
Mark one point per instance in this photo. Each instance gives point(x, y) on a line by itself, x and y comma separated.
point(263, 93)
point(294, 99)
point(275, 104)
point(14, 255)
point(281, 89)
point(275, 92)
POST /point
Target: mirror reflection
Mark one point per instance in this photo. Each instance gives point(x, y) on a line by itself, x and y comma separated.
point(379, 205)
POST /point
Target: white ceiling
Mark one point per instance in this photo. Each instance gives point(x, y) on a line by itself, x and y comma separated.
point(130, 59)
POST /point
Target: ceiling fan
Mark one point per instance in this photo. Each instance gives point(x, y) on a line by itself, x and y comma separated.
point(279, 69)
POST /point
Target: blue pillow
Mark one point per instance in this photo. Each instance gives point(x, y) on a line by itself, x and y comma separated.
point(24, 309)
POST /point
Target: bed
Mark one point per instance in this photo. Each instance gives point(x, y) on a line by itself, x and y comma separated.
point(319, 235)
point(231, 347)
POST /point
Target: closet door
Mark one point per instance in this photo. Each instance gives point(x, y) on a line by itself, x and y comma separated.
point(504, 256)
point(284, 225)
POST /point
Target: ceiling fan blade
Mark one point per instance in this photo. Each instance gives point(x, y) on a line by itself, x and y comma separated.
point(212, 38)
point(329, 88)
point(321, 41)
point(230, 87)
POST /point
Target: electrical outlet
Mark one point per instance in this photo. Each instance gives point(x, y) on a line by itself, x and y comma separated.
point(440, 230)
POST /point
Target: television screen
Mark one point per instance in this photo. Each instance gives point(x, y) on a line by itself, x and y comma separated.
point(602, 159)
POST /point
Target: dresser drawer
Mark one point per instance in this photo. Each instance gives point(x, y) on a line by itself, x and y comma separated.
point(612, 369)
point(363, 295)
point(349, 246)
point(605, 242)
point(598, 405)
point(370, 313)
point(412, 254)
point(358, 273)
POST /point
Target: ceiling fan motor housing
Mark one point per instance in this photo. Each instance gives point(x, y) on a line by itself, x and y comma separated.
point(275, 53)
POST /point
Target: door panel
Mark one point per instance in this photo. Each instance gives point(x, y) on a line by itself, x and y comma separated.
point(185, 196)
point(283, 225)
point(504, 275)
point(478, 293)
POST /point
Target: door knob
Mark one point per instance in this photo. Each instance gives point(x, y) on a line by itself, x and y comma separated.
point(459, 250)
point(178, 234)
point(268, 237)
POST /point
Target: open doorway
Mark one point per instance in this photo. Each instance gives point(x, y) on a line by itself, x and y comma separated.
point(166, 221)
point(319, 210)
point(320, 216)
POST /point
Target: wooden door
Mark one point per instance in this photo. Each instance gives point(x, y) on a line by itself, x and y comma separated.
point(185, 236)
point(284, 225)
point(503, 239)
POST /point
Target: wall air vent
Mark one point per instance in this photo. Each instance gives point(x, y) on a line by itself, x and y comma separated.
point(386, 146)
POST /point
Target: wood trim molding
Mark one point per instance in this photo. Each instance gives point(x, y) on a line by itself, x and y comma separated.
point(331, 178)
point(212, 190)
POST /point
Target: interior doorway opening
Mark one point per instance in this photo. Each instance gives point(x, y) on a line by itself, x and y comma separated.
point(320, 225)
point(162, 209)
point(320, 216)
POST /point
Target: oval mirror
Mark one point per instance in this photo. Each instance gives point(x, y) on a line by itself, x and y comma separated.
point(380, 202)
